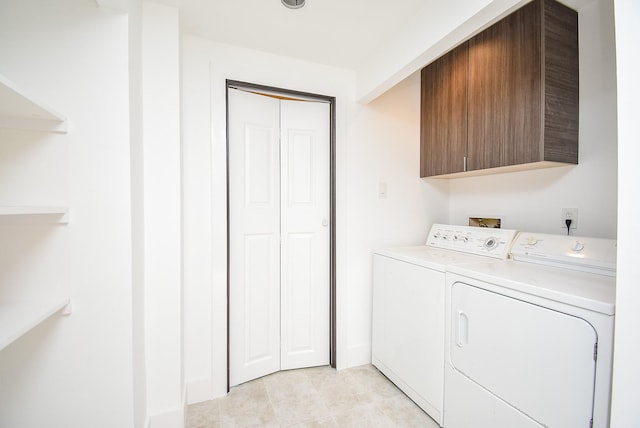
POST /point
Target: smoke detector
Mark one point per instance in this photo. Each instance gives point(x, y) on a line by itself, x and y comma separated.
point(293, 4)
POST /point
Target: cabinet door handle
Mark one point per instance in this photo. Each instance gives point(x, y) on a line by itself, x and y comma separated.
point(463, 329)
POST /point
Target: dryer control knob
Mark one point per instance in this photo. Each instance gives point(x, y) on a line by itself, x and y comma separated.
point(532, 240)
point(578, 246)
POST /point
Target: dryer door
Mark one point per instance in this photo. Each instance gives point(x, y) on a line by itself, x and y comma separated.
point(537, 360)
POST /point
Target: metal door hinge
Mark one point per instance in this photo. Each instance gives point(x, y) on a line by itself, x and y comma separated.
point(595, 351)
point(591, 423)
point(465, 164)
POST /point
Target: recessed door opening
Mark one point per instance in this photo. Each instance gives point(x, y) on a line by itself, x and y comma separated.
point(280, 233)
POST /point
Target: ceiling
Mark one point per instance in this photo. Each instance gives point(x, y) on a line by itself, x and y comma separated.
point(341, 33)
point(335, 32)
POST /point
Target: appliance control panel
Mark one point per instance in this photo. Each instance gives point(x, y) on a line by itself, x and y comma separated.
point(595, 255)
point(481, 241)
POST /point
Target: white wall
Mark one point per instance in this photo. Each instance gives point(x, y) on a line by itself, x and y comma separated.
point(375, 143)
point(205, 66)
point(203, 371)
point(533, 200)
point(137, 213)
point(626, 371)
point(384, 147)
point(74, 371)
point(162, 215)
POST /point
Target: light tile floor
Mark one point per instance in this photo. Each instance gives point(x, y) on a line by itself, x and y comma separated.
point(315, 397)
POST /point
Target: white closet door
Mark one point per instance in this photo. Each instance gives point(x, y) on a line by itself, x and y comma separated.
point(305, 234)
point(254, 244)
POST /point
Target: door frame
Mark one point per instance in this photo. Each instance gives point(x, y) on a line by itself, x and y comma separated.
point(307, 96)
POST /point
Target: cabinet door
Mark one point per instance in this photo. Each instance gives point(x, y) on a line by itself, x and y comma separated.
point(443, 127)
point(561, 83)
point(504, 126)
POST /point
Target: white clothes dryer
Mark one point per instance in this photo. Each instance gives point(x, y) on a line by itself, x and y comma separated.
point(409, 306)
point(529, 341)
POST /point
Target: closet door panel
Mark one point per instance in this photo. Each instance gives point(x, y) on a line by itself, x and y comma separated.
point(305, 234)
point(254, 236)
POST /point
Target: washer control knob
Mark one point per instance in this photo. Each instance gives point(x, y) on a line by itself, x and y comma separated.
point(490, 243)
point(532, 240)
point(578, 246)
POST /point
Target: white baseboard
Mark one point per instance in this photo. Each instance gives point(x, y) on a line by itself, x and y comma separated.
point(172, 419)
point(204, 390)
point(359, 355)
point(199, 391)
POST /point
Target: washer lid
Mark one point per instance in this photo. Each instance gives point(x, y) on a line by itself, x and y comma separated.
point(428, 257)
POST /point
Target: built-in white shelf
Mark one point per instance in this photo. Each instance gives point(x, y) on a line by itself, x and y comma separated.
point(19, 110)
point(59, 213)
point(18, 317)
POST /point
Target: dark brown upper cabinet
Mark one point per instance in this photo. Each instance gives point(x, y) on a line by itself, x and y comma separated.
point(507, 99)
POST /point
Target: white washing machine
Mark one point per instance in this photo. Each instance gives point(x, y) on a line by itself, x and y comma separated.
point(529, 341)
point(409, 306)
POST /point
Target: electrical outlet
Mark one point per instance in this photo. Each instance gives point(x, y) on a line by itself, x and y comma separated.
point(570, 214)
